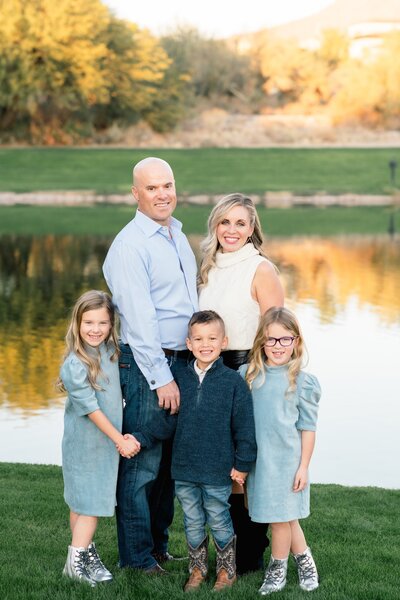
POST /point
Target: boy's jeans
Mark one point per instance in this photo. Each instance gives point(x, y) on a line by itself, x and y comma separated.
point(203, 504)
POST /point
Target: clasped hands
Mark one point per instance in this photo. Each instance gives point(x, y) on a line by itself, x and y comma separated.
point(238, 476)
point(129, 447)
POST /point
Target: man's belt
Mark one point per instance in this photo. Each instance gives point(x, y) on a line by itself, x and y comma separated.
point(186, 354)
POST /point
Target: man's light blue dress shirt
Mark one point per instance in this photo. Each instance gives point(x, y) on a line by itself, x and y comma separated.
point(152, 278)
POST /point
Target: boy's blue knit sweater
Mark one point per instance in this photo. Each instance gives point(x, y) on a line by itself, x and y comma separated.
point(214, 429)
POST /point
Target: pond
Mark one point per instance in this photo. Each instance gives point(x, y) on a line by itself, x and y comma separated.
point(345, 292)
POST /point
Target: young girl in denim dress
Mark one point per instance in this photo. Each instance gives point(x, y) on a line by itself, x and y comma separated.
point(285, 402)
point(92, 429)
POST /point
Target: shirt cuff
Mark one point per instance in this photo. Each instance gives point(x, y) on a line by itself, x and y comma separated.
point(158, 378)
point(142, 439)
point(243, 466)
point(304, 426)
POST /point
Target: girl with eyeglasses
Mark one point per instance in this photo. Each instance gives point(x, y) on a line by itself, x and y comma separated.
point(285, 400)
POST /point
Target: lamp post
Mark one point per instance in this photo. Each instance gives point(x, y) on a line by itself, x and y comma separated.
point(392, 223)
point(393, 167)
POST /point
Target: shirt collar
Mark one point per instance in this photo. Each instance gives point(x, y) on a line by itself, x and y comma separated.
point(200, 371)
point(150, 227)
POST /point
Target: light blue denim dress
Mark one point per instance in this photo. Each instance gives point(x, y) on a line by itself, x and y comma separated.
point(279, 420)
point(89, 458)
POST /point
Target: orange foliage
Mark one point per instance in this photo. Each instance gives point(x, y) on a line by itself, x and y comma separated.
point(332, 272)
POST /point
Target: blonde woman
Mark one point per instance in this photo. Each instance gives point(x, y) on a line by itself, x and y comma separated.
point(240, 283)
point(285, 402)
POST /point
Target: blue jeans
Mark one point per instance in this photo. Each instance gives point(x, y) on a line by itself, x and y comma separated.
point(205, 504)
point(145, 492)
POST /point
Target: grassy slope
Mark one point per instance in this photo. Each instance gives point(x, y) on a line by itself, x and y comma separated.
point(108, 220)
point(353, 532)
point(202, 170)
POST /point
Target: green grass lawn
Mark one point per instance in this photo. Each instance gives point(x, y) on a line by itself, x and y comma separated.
point(353, 532)
point(108, 220)
point(202, 170)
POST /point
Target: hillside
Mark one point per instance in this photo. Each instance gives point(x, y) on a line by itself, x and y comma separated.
point(339, 15)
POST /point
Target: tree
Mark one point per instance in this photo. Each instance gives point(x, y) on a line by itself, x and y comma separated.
point(210, 69)
point(50, 60)
point(388, 71)
point(291, 74)
point(368, 91)
point(70, 65)
point(134, 67)
point(334, 48)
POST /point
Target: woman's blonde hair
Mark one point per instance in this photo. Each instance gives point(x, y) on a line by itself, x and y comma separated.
point(91, 300)
point(210, 244)
point(256, 360)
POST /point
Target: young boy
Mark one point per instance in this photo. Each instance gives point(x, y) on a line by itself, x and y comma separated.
point(214, 443)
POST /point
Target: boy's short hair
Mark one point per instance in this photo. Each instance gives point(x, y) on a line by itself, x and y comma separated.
point(205, 316)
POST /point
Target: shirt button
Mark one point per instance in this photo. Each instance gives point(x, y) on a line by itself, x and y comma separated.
point(152, 382)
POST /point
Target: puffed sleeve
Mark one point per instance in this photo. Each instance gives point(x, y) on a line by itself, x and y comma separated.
point(80, 392)
point(309, 396)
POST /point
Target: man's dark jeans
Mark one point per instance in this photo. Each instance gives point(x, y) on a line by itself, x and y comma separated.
point(145, 491)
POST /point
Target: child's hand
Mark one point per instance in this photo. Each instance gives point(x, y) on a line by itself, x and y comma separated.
point(129, 447)
point(300, 479)
point(238, 476)
point(137, 446)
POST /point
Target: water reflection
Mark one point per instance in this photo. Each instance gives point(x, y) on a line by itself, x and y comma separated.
point(331, 271)
point(40, 279)
point(346, 293)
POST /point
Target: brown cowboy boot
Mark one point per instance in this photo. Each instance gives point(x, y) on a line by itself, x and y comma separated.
point(226, 565)
point(198, 566)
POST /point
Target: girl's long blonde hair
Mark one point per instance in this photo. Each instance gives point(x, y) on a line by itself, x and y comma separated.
point(256, 361)
point(91, 300)
point(210, 244)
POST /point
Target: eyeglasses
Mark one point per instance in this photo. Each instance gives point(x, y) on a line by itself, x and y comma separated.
point(286, 341)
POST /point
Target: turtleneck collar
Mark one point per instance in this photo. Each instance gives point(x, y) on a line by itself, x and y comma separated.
point(226, 259)
point(95, 351)
point(276, 368)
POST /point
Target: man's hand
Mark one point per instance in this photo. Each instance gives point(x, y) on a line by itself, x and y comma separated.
point(169, 397)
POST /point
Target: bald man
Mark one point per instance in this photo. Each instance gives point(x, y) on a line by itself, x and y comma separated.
point(151, 272)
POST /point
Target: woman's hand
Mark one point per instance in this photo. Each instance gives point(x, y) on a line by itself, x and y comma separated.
point(300, 479)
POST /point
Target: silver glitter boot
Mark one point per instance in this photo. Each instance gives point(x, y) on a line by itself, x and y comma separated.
point(95, 567)
point(307, 571)
point(76, 565)
point(275, 576)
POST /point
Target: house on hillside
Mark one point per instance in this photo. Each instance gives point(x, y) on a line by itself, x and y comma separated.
point(364, 22)
point(366, 38)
